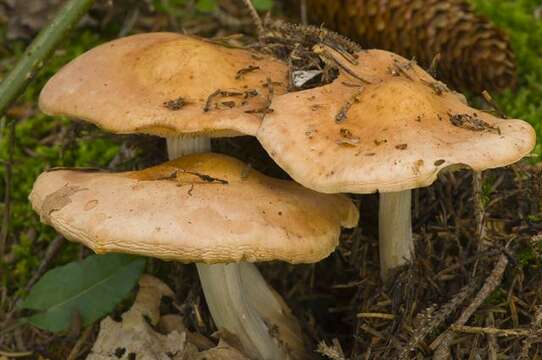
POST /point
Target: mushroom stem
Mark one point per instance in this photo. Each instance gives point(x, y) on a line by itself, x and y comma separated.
point(223, 287)
point(274, 311)
point(396, 246)
point(239, 299)
point(187, 144)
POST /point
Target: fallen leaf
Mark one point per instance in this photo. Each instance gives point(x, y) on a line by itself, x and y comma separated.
point(223, 351)
point(134, 337)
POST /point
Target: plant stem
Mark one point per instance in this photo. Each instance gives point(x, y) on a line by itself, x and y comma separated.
point(8, 181)
point(396, 246)
point(38, 52)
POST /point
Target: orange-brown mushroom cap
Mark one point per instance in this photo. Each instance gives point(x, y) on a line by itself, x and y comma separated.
point(199, 208)
point(160, 83)
point(394, 131)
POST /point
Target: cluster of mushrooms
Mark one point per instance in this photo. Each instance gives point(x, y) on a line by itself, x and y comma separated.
point(384, 125)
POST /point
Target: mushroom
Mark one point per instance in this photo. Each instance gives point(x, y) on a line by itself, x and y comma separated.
point(385, 125)
point(168, 85)
point(187, 90)
point(203, 208)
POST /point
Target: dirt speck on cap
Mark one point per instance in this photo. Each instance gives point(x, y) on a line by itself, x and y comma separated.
point(58, 200)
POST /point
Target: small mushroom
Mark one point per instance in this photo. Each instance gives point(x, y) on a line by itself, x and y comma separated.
point(406, 133)
point(199, 208)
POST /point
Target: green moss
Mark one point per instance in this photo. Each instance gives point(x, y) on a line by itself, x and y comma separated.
point(498, 296)
point(529, 256)
point(517, 18)
point(42, 142)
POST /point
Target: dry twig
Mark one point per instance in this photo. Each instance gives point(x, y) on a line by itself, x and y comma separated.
point(479, 211)
point(430, 319)
point(534, 334)
point(255, 17)
point(489, 330)
point(442, 343)
point(333, 352)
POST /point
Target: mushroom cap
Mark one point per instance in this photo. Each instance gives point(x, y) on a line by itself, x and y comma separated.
point(199, 208)
point(159, 83)
point(401, 129)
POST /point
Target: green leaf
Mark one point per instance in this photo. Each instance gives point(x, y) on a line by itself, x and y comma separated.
point(263, 5)
point(206, 5)
point(89, 289)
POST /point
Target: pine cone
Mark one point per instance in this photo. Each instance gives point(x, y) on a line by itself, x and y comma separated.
point(474, 54)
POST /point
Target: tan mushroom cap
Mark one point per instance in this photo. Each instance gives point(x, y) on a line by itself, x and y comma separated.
point(398, 133)
point(199, 208)
point(131, 85)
